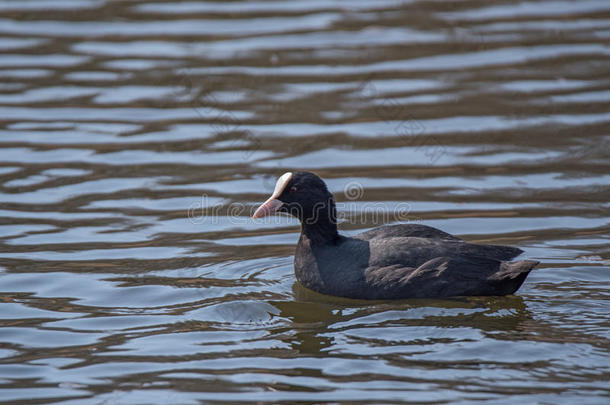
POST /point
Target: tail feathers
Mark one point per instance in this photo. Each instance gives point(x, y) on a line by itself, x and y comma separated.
point(511, 275)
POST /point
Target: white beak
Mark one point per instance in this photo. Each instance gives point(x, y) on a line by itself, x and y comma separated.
point(273, 204)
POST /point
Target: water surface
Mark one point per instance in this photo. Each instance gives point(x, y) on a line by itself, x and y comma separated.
point(137, 137)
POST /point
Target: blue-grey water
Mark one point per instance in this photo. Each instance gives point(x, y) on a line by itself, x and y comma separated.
point(137, 138)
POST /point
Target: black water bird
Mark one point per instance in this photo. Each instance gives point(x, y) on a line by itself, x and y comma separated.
point(388, 262)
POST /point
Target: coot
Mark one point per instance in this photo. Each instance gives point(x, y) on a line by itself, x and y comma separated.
point(388, 262)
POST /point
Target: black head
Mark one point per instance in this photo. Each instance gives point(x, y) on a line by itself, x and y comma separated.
point(306, 197)
point(303, 195)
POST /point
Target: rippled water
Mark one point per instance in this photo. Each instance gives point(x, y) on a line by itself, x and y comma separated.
point(138, 137)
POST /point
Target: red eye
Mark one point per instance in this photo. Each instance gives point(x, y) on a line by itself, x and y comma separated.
point(293, 189)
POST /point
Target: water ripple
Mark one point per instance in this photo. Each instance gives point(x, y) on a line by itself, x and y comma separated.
point(137, 139)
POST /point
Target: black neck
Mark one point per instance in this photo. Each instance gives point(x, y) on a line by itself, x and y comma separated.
point(321, 228)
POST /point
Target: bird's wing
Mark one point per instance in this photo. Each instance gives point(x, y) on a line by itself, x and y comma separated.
point(391, 233)
point(447, 276)
point(414, 250)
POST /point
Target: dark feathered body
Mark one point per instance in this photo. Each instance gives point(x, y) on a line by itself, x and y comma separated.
point(424, 263)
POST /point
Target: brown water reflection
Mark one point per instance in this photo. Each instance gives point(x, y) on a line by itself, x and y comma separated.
point(138, 136)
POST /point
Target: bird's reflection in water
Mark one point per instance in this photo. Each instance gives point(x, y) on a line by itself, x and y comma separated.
point(316, 319)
